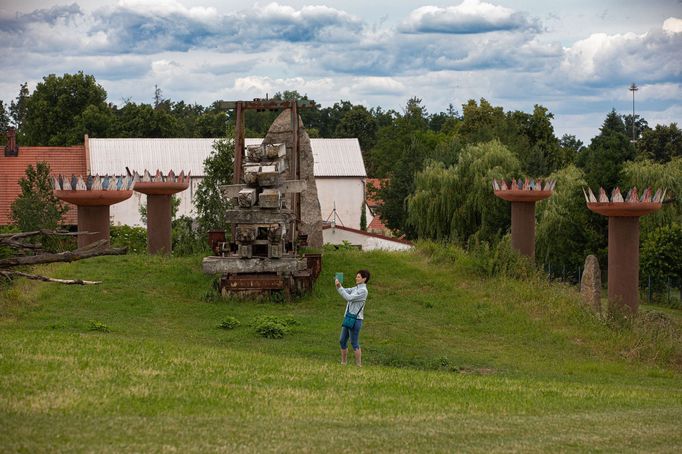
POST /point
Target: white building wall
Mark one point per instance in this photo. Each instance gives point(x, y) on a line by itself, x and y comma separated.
point(348, 194)
point(367, 242)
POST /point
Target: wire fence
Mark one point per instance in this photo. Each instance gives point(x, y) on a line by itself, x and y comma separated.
point(666, 291)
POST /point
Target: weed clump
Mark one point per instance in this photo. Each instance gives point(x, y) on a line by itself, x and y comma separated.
point(272, 327)
point(229, 323)
point(99, 326)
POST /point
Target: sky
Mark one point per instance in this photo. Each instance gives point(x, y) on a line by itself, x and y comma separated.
point(577, 58)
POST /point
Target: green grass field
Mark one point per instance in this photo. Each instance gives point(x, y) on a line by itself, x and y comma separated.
point(452, 362)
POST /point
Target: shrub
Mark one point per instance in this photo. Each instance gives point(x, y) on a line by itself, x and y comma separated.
point(272, 327)
point(229, 323)
point(187, 238)
point(37, 207)
point(134, 238)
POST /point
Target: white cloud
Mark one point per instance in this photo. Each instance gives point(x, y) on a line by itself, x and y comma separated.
point(378, 86)
point(604, 59)
point(471, 16)
point(672, 25)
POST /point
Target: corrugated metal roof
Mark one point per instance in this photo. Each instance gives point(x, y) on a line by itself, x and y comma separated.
point(338, 158)
point(333, 157)
point(62, 160)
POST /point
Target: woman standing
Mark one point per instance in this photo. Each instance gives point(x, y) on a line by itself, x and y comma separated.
point(355, 304)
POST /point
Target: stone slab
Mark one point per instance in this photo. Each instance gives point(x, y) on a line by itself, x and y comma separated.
point(219, 265)
point(257, 216)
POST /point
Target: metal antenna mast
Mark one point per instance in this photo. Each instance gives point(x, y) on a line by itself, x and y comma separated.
point(633, 88)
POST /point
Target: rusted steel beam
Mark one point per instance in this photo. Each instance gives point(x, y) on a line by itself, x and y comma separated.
point(268, 104)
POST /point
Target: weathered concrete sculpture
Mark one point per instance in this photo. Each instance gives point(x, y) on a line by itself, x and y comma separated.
point(624, 214)
point(272, 211)
point(93, 195)
point(159, 189)
point(523, 194)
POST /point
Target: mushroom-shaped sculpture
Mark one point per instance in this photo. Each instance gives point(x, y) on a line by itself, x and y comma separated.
point(159, 189)
point(523, 194)
point(624, 214)
point(93, 195)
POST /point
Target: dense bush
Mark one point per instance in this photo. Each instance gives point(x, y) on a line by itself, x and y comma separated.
point(272, 327)
point(188, 239)
point(134, 238)
point(229, 323)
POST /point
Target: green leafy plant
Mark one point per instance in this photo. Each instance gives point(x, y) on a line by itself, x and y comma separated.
point(99, 326)
point(272, 327)
point(134, 238)
point(229, 323)
point(36, 207)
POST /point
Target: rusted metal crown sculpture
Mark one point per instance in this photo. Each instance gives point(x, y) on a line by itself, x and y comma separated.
point(527, 190)
point(630, 205)
point(160, 184)
point(93, 194)
point(523, 194)
point(159, 189)
point(623, 262)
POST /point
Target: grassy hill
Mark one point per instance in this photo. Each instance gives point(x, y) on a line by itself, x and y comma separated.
point(452, 362)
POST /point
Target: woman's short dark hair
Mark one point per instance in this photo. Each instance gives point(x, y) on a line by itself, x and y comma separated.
point(364, 274)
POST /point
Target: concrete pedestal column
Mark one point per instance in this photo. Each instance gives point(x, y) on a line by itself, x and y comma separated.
point(624, 262)
point(523, 228)
point(93, 219)
point(159, 231)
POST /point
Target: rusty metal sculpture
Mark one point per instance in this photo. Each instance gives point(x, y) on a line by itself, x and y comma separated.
point(523, 194)
point(623, 262)
point(159, 189)
point(93, 195)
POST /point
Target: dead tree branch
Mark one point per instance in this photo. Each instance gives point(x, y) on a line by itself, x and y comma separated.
point(40, 257)
point(37, 277)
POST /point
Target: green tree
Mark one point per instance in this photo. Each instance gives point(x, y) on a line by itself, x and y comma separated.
point(209, 200)
point(571, 147)
point(36, 207)
point(641, 126)
point(143, 121)
point(661, 255)
point(359, 123)
point(4, 122)
point(363, 217)
point(54, 111)
point(566, 230)
point(656, 175)
point(17, 108)
point(603, 160)
point(661, 144)
point(457, 203)
point(400, 183)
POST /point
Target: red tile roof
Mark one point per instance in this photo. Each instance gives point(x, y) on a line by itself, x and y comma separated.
point(62, 160)
point(375, 183)
point(376, 224)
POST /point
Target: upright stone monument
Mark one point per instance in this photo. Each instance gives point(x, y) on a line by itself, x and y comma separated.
point(281, 131)
point(590, 284)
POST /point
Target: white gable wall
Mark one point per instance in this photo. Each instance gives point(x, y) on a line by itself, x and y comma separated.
point(347, 193)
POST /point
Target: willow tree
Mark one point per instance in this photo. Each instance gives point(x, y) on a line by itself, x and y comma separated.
point(457, 202)
point(566, 230)
point(656, 175)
